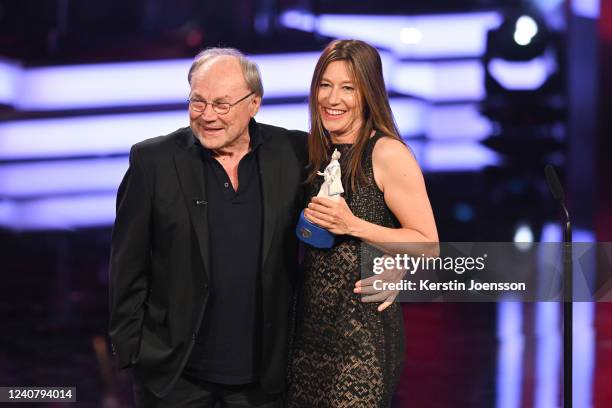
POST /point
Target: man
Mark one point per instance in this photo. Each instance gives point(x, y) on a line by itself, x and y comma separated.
point(203, 257)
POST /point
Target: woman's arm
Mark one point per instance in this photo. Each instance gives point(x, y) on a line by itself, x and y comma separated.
point(399, 177)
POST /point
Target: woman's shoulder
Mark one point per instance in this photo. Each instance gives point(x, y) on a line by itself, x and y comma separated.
point(390, 149)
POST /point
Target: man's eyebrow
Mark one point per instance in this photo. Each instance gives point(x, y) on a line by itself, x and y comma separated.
point(223, 99)
point(217, 99)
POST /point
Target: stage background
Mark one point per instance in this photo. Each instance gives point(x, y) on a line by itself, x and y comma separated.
point(485, 93)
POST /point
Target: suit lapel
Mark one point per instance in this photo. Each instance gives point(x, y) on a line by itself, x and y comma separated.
point(269, 158)
point(190, 170)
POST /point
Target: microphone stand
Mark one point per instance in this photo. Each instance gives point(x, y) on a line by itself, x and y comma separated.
point(568, 310)
point(568, 285)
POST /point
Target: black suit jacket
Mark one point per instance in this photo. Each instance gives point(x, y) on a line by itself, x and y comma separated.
point(160, 257)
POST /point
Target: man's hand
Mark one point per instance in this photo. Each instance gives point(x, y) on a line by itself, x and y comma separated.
point(365, 287)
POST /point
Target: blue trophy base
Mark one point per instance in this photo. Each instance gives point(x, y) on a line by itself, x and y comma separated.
point(312, 234)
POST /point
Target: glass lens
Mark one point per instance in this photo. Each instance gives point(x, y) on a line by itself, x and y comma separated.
point(221, 108)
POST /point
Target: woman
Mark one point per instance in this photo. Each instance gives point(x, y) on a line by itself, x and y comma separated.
point(348, 353)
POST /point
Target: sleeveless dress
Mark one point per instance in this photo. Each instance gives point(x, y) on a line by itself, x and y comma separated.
point(345, 353)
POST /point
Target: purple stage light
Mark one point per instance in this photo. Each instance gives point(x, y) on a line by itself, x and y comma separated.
point(136, 83)
point(523, 75)
point(59, 213)
point(114, 134)
point(286, 75)
point(511, 347)
point(424, 36)
point(93, 177)
point(83, 136)
point(10, 80)
point(548, 354)
point(440, 81)
point(586, 8)
point(22, 180)
point(457, 122)
point(104, 85)
point(456, 156)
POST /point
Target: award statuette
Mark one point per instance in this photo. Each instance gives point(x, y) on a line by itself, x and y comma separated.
point(310, 233)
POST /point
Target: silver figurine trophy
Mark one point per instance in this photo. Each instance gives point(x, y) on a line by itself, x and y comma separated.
point(332, 188)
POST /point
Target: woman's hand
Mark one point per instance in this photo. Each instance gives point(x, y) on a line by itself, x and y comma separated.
point(332, 214)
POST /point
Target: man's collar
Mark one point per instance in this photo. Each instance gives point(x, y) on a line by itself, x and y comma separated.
point(256, 139)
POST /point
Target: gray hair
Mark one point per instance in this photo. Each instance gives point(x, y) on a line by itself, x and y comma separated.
point(249, 68)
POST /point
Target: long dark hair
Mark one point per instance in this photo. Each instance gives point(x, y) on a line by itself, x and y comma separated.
point(365, 67)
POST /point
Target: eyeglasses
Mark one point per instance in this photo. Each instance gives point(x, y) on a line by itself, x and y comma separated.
point(219, 107)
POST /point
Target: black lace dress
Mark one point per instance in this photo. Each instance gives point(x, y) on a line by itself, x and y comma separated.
point(345, 352)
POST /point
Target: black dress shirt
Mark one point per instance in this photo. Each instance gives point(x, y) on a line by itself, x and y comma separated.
point(226, 349)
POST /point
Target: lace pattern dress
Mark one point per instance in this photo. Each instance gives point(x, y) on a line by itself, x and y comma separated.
point(345, 352)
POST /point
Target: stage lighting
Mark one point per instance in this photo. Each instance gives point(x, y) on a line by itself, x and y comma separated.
point(523, 236)
point(523, 75)
point(525, 29)
point(521, 37)
point(410, 35)
point(523, 55)
point(525, 101)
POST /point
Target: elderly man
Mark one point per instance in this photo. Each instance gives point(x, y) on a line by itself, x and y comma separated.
point(203, 257)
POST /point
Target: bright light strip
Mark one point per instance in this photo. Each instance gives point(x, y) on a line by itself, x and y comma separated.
point(409, 116)
point(583, 361)
point(463, 122)
point(286, 75)
point(59, 213)
point(289, 75)
point(91, 135)
point(548, 6)
point(523, 234)
point(164, 82)
point(448, 35)
point(410, 35)
point(105, 174)
point(110, 134)
point(408, 113)
point(509, 355)
point(101, 85)
point(114, 134)
point(61, 177)
point(456, 156)
point(137, 83)
point(299, 20)
point(97, 209)
point(584, 336)
point(291, 116)
point(548, 354)
point(10, 80)
point(516, 75)
point(586, 8)
point(440, 81)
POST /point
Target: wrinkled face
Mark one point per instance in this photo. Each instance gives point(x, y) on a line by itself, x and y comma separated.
point(221, 80)
point(339, 103)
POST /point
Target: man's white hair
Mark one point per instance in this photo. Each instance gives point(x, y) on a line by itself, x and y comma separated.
point(249, 68)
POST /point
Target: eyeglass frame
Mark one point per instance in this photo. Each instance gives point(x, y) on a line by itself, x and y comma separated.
point(216, 104)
